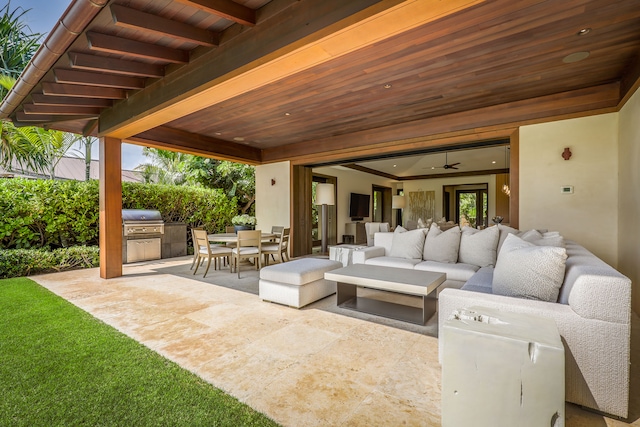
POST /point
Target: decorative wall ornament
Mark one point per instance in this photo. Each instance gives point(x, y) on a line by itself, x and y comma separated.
point(422, 204)
point(566, 154)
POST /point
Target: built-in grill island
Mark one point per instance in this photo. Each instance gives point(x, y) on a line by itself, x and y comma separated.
point(142, 232)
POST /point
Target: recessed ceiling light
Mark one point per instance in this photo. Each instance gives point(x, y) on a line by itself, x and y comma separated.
point(575, 57)
point(218, 133)
point(395, 166)
point(584, 31)
point(387, 86)
point(238, 138)
point(287, 114)
point(494, 162)
point(433, 167)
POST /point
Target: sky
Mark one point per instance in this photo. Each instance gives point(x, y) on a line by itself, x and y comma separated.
point(41, 18)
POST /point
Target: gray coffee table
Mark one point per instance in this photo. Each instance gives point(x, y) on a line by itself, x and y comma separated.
point(399, 280)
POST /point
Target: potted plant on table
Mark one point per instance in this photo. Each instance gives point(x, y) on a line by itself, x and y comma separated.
point(243, 222)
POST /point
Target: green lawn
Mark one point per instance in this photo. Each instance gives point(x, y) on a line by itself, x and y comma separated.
point(61, 367)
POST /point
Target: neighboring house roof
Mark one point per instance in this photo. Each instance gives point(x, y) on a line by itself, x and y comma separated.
point(68, 168)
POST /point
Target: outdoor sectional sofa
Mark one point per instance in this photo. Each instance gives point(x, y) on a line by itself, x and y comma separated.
point(533, 272)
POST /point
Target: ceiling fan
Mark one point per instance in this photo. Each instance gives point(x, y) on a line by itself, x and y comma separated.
point(446, 163)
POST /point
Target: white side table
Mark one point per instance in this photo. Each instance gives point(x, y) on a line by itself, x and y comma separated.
point(343, 253)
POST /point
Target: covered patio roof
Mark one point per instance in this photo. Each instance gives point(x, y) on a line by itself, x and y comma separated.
point(261, 81)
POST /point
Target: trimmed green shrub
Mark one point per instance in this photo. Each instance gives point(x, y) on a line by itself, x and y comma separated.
point(26, 262)
point(53, 214)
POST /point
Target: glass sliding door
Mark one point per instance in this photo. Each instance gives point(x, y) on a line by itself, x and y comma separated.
point(472, 208)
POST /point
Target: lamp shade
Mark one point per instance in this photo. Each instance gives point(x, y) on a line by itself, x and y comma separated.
point(325, 194)
point(398, 202)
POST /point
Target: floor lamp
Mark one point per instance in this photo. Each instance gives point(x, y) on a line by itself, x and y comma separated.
point(398, 202)
point(325, 196)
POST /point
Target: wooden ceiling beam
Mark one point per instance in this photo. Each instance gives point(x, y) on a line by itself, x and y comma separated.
point(24, 119)
point(112, 44)
point(86, 62)
point(310, 34)
point(172, 139)
point(41, 99)
point(61, 110)
point(131, 18)
point(226, 8)
point(49, 88)
point(89, 78)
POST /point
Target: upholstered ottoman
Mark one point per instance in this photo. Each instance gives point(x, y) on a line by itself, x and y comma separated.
point(297, 283)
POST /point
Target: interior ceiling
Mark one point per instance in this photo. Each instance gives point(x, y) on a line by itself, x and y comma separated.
point(499, 61)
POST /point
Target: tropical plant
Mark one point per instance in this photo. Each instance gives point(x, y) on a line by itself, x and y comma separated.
point(166, 167)
point(243, 219)
point(17, 41)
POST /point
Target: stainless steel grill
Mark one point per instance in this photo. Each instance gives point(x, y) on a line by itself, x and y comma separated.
point(142, 230)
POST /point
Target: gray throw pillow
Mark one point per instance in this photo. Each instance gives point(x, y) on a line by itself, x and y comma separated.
point(408, 244)
point(478, 247)
point(525, 270)
point(442, 246)
point(549, 238)
point(504, 231)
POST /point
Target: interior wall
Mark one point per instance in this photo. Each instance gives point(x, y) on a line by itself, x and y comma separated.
point(351, 181)
point(436, 185)
point(590, 214)
point(629, 195)
point(273, 202)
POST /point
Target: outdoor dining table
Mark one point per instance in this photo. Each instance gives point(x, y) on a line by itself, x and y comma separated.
point(233, 237)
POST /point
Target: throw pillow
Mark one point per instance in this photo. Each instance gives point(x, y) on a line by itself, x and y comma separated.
point(525, 270)
point(400, 229)
point(478, 247)
point(549, 238)
point(408, 244)
point(504, 231)
point(442, 246)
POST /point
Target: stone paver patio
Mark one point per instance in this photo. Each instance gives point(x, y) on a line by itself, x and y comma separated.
point(318, 366)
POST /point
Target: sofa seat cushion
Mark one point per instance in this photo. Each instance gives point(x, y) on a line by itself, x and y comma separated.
point(389, 261)
point(525, 270)
point(481, 281)
point(479, 247)
point(442, 246)
point(300, 271)
point(459, 271)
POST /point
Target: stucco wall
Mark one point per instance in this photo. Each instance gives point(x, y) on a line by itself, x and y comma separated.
point(629, 195)
point(589, 215)
point(273, 202)
point(350, 181)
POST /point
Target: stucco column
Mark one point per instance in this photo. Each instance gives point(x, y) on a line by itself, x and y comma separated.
point(110, 207)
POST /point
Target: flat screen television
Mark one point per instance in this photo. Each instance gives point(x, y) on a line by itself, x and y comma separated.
point(359, 206)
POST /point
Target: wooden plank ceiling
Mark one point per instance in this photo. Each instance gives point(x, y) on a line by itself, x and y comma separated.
point(162, 73)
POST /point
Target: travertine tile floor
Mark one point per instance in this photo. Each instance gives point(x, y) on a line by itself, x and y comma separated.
point(318, 366)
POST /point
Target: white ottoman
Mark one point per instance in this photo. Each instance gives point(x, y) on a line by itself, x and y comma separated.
point(297, 283)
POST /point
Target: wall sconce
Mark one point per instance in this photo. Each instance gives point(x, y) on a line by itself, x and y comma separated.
point(273, 181)
point(566, 154)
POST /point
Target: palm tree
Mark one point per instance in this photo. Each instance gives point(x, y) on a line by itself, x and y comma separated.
point(166, 167)
point(86, 142)
point(17, 41)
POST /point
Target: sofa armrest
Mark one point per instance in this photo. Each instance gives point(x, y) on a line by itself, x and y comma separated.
point(360, 256)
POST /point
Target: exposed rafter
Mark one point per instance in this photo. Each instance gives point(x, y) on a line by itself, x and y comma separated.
point(60, 110)
point(41, 99)
point(130, 18)
point(113, 44)
point(24, 119)
point(97, 79)
point(225, 8)
point(86, 62)
point(49, 88)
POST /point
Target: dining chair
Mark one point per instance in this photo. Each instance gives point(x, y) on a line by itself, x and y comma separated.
point(229, 229)
point(280, 248)
point(249, 245)
point(206, 250)
point(195, 246)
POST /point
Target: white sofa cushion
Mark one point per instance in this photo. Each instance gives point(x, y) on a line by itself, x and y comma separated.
point(441, 245)
point(549, 238)
point(408, 244)
point(388, 261)
point(478, 247)
point(299, 271)
point(461, 272)
point(504, 232)
point(525, 270)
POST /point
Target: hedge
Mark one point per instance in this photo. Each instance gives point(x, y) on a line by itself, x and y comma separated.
point(52, 214)
point(25, 262)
